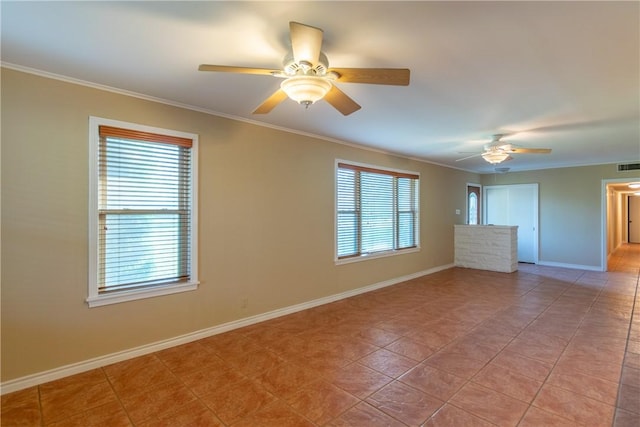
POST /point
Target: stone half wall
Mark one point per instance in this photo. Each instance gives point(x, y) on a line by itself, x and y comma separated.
point(487, 247)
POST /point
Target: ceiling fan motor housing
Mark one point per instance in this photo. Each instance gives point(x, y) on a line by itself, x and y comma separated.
point(292, 68)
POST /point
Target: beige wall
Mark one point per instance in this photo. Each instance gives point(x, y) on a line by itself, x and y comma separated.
point(266, 225)
point(570, 210)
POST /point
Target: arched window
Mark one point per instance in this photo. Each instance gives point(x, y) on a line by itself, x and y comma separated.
point(473, 208)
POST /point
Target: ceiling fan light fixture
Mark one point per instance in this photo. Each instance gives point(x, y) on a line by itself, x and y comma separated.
point(495, 157)
point(306, 90)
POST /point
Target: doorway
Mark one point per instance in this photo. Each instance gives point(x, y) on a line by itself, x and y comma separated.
point(633, 220)
point(473, 204)
point(515, 205)
point(620, 217)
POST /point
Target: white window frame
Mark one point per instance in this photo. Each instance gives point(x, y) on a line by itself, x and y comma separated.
point(381, 254)
point(95, 299)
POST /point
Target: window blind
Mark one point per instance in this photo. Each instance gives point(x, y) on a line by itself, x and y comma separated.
point(377, 210)
point(144, 209)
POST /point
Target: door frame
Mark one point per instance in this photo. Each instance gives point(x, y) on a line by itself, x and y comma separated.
point(604, 218)
point(466, 201)
point(536, 212)
point(629, 198)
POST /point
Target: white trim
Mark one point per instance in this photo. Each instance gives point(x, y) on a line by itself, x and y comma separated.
point(571, 266)
point(536, 213)
point(59, 77)
point(376, 255)
point(366, 257)
point(95, 299)
point(98, 86)
point(123, 296)
point(97, 362)
point(164, 101)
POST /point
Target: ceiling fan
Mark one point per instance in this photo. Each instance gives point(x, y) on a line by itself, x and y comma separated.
point(498, 151)
point(308, 78)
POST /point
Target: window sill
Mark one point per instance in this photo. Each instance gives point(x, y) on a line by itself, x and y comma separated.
point(376, 256)
point(124, 296)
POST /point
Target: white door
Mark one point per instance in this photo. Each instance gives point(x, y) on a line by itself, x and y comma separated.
point(634, 219)
point(515, 205)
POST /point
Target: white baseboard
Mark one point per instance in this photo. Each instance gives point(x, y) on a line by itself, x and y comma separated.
point(571, 266)
point(98, 362)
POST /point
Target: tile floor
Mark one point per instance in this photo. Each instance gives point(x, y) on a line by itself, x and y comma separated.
point(540, 347)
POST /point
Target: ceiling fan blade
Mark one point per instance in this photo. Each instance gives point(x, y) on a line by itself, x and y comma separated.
point(271, 102)
point(340, 101)
point(469, 157)
point(306, 43)
point(515, 150)
point(241, 70)
point(376, 76)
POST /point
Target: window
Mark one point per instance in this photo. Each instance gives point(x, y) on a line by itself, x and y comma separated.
point(473, 204)
point(376, 212)
point(143, 212)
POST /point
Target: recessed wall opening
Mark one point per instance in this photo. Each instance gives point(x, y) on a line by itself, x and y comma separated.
point(621, 215)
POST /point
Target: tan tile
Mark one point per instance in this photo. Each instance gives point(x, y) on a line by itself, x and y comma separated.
point(23, 398)
point(461, 365)
point(432, 338)
point(630, 376)
point(526, 366)
point(629, 398)
point(582, 350)
point(359, 380)
point(157, 401)
point(330, 346)
point(224, 339)
point(536, 417)
point(474, 348)
point(192, 414)
point(69, 396)
point(626, 419)
point(208, 381)
point(632, 360)
point(508, 382)
point(73, 382)
point(432, 381)
point(573, 406)
point(377, 336)
point(587, 385)
point(324, 364)
point(277, 414)
point(404, 403)
point(450, 416)
point(188, 358)
point(290, 347)
point(538, 346)
point(265, 335)
point(603, 370)
point(21, 408)
point(412, 349)
point(321, 401)
point(255, 362)
point(230, 345)
point(286, 378)
point(489, 405)
point(440, 332)
point(238, 400)
point(111, 414)
point(132, 376)
point(388, 362)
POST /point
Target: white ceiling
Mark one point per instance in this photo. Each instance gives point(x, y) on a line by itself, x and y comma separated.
point(564, 74)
